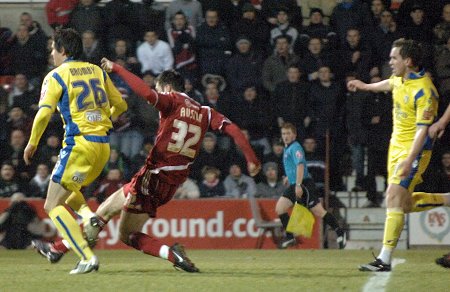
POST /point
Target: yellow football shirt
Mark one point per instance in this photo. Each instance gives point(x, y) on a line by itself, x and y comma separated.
point(83, 94)
point(415, 103)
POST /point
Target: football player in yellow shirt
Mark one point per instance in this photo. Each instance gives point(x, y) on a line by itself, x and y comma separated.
point(415, 101)
point(86, 99)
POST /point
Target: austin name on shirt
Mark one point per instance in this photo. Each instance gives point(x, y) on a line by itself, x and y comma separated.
point(191, 114)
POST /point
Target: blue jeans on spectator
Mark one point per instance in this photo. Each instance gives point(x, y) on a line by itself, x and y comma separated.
point(129, 142)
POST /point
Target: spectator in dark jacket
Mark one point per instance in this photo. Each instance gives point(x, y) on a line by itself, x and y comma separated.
point(252, 27)
point(122, 21)
point(87, 16)
point(317, 29)
point(211, 185)
point(255, 116)
point(384, 35)
point(244, 67)
point(314, 58)
point(356, 56)
point(349, 14)
point(28, 55)
point(290, 101)
point(93, 50)
point(39, 183)
point(357, 133)
point(209, 155)
point(213, 44)
point(275, 66)
point(20, 224)
point(377, 118)
point(9, 183)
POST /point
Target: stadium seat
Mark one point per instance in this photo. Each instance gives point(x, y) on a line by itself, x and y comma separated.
point(264, 226)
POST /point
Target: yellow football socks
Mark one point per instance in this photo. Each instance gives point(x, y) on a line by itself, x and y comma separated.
point(395, 219)
point(426, 201)
point(70, 231)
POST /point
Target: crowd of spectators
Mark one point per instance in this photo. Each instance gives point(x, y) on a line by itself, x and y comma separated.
point(261, 63)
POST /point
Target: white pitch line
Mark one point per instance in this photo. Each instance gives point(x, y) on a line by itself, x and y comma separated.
point(379, 280)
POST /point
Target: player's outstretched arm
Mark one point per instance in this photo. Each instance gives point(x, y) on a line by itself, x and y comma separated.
point(355, 85)
point(39, 125)
point(137, 84)
point(253, 164)
point(438, 128)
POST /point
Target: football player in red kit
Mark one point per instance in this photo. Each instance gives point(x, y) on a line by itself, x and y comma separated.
point(183, 124)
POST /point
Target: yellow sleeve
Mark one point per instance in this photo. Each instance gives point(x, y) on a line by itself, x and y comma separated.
point(51, 92)
point(118, 105)
point(392, 81)
point(426, 106)
point(40, 124)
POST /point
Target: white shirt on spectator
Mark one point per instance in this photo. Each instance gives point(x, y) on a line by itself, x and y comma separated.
point(156, 58)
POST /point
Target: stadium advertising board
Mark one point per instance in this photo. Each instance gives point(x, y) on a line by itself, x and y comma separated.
point(430, 228)
point(198, 224)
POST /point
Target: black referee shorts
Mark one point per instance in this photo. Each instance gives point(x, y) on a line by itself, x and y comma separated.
point(309, 198)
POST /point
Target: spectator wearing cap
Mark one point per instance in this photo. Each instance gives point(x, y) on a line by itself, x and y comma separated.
point(213, 43)
point(238, 185)
point(317, 29)
point(251, 26)
point(211, 185)
point(283, 28)
point(244, 67)
point(209, 155)
point(271, 186)
point(275, 66)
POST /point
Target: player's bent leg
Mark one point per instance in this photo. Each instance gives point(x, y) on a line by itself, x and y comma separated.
point(425, 201)
point(68, 227)
point(108, 209)
point(130, 227)
point(281, 208)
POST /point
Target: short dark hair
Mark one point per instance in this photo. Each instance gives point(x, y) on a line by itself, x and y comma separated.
point(172, 78)
point(409, 49)
point(70, 40)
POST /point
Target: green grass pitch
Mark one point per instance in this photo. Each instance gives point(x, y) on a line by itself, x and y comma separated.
point(223, 270)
